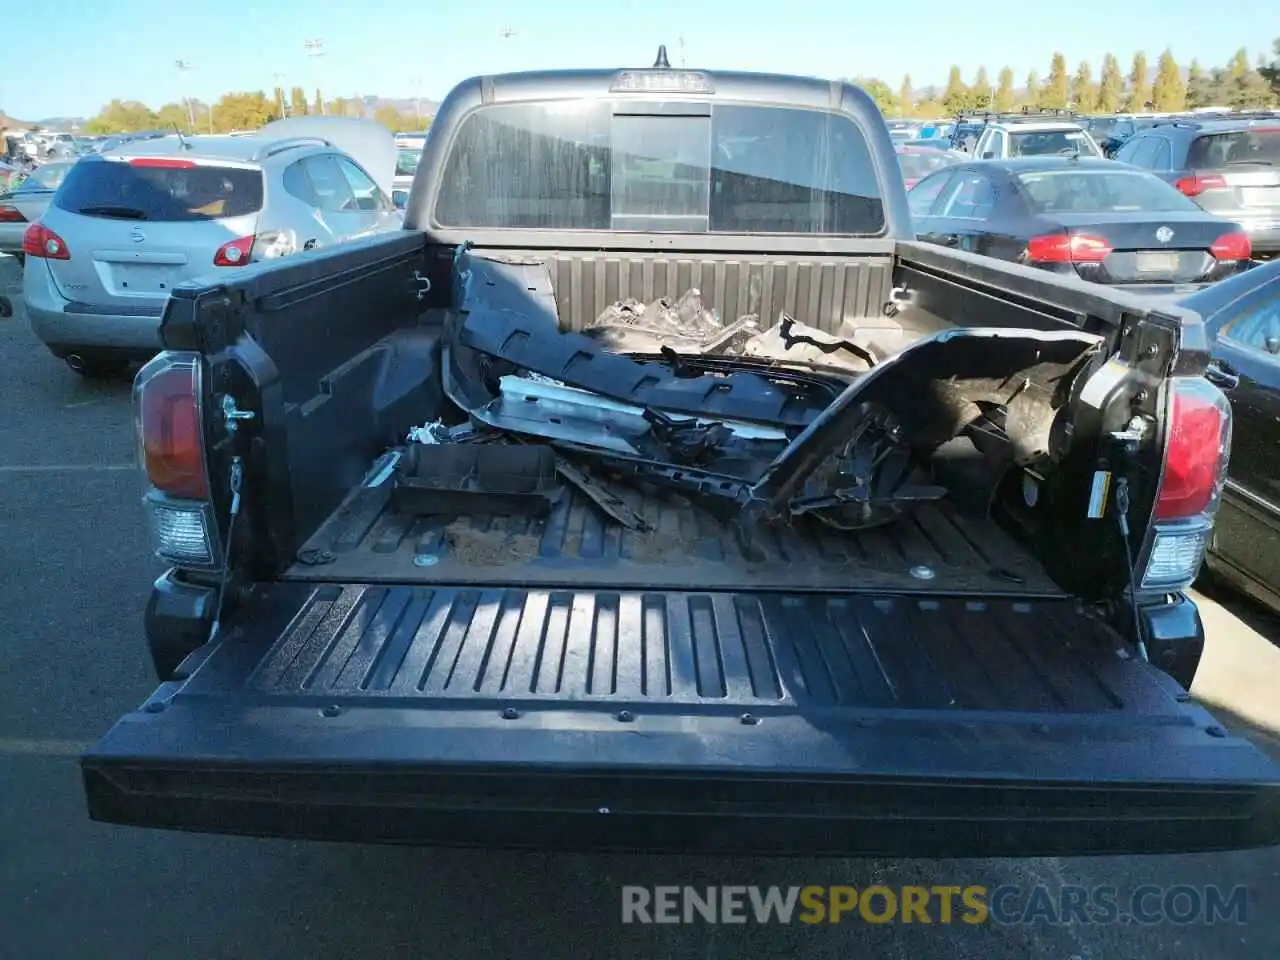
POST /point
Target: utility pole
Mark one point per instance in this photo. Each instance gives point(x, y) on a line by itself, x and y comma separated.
point(282, 101)
point(183, 66)
point(415, 85)
point(680, 44)
point(314, 46)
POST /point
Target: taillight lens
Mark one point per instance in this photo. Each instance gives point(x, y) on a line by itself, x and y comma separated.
point(1196, 185)
point(167, 405)
point(1232, 246)
point(41, 242)
point(10, 214)
point(1195, 467)
point(1067, 248)
point(1196, 453)
point(235, 253)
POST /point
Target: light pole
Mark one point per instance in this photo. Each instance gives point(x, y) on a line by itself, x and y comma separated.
point(314, 46)
point(183, 66)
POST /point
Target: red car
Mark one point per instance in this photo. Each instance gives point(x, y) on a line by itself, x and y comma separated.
point(918, 162)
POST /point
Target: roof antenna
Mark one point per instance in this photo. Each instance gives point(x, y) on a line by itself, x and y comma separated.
point(181, 139)
point(662, 63)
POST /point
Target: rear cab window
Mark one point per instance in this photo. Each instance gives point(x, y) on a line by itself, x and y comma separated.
point(691, 168)
point(160, 189)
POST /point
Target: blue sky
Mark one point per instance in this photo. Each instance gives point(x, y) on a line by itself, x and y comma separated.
point(77, 54)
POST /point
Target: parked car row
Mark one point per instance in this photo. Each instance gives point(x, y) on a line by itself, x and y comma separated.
point(106, 238)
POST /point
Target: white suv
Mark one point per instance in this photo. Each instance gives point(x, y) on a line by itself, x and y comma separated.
point(1001, 140)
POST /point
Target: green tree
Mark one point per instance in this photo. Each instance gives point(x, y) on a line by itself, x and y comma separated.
point(318, 106)
point(396, 120)
point(1270, 71)
point(1245, 88)
point(906, 101)
point(956, 97)
point(122, 116)
point(1033, 89)
point(1084, 92)
point(242, 111)
point(1058, 90)
point(1167, 92)
point(1111, 85)
point(1004, 91)
point(298, 102)
point(876, 89)
point(1199, 86)
point(174, 116)
point(981, 95)
point(278, 102)
point(1139, 84)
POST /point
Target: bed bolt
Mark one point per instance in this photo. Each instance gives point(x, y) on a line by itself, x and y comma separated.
point(156, 706)
point(1215, 731)
point(425, 560)
point(1152, 349)
point(750, 719)
point(510, 713)
point(624, 716)
point(332, 710)
point(922, 573)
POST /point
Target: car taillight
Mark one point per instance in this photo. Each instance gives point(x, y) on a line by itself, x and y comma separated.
point(1232, 246)
point(1195, 185)
point(39, 241)
point(1197, 449)
point(234, 253)
point(170, 427)
point(1067, 248)
point(10, 214)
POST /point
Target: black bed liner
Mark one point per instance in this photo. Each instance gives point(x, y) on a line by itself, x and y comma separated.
point(575, 547)
point(718, 721)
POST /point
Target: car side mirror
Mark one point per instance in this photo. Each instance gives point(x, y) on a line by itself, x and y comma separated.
point(400, 198)
point(989, 155)
point(1273, 345)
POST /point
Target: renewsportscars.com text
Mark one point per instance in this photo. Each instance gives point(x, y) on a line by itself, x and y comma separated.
point(941, 904)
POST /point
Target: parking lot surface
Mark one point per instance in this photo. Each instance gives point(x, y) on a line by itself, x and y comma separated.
point(77, 567)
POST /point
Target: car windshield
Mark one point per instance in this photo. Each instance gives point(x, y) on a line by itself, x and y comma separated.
point(735, 168)
point(1040, 143)
point(1259, 146)
point(141, 189)
point(407, 162)
point(919, 163)
point(1100, 191)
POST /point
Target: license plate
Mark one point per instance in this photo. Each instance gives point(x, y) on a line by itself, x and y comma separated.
point(1157, 263)
point(143, 277)
point(1259, 196)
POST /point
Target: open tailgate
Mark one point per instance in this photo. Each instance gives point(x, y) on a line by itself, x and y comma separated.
point(763, 723)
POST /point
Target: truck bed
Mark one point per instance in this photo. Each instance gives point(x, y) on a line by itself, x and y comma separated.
point(365, 540)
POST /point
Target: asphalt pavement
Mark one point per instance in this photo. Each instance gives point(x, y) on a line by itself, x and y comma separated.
point(77, 568)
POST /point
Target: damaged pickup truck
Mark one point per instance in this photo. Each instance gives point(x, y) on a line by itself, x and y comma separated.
point(655, 490)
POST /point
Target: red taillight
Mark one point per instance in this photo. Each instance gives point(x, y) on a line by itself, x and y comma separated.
point(1067, 248)
point(161, 163)
point(1196, 185)
point(170, 434)
point(1196, 452)
point(234, 254)
point(10, 214)
point(1232, 246)
point(39, 241)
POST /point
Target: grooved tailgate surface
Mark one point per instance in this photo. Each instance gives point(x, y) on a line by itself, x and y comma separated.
point(576, 547)
point(732, 649)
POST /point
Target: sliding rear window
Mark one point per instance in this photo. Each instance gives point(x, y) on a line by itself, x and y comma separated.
point(731, 168)
point(119, 189)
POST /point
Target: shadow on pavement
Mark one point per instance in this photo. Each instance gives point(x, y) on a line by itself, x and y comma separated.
point(1251, 613)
